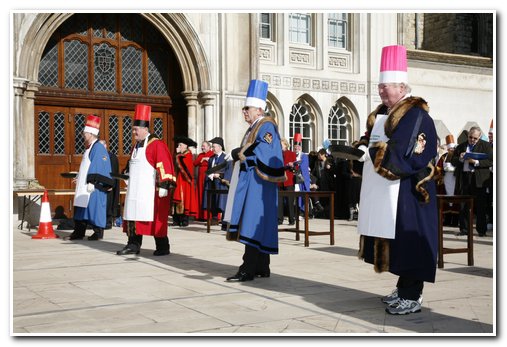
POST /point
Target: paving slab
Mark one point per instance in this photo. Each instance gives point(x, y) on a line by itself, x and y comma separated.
point(82, 287)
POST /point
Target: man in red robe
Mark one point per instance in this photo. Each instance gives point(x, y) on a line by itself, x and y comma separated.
point(151, 175)
point(201, 162)
point(185, 194)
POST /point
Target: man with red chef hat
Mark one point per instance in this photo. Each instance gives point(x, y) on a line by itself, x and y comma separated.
point(151, 175)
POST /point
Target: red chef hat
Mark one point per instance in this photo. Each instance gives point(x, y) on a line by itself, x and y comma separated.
point(298, 139)
point(92, 125)
point(142, 116)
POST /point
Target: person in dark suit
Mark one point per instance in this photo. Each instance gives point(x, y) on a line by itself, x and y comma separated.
point(472, 175)
point(113, 195)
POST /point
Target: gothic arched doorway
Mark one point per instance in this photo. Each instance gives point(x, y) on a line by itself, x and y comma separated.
point(102, 64)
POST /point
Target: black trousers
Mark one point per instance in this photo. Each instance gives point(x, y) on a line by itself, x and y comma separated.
point(135, 241)
point(80, 229)
point(286, 202)
point(254, 261)
point(480, 204)
point(409, 288)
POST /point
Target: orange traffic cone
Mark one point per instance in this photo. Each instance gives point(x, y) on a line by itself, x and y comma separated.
point(45, 230)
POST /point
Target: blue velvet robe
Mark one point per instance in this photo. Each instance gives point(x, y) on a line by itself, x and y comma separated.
point(99, 174)
point(218, 201)
point(304, 166)
point(413, 251)
point(255, 210)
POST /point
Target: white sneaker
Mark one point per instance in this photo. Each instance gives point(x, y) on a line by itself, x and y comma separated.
point(404, 306)
point(393, 298)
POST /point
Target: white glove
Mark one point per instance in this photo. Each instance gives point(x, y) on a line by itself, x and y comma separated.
point(90, 187)
point(162, 192)
point(366, 155)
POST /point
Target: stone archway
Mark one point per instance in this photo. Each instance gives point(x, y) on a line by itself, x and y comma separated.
point(174, 27)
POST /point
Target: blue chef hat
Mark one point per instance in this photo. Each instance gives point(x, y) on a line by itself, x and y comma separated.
point(257, 94)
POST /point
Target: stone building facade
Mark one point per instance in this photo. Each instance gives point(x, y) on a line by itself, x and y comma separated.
point(194, 68)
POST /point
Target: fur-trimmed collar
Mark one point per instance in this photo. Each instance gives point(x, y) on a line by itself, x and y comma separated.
point(396, 113)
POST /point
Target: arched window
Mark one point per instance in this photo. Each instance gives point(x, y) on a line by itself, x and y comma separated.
point(339, 125)
point(302, 121)
point(107, 53)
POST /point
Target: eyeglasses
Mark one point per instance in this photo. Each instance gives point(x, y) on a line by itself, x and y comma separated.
point(473, 138)
point(387, 85)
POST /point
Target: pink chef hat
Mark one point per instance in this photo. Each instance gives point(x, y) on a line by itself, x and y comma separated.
point(393, 65)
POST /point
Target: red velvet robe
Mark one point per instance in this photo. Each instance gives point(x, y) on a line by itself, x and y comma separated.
point(160, 158)
point(185, 194)
point(202, 166)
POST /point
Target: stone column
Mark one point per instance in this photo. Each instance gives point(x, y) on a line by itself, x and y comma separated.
point(210, 126)
point(193, 111)
point(23, 141)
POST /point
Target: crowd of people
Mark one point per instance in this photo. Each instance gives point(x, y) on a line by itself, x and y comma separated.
point(390, 188)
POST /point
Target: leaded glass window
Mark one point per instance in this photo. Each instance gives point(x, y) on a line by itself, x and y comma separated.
point(127, 135)
point(113, 134)
point(48, 75)
point(124, 51)
point(300, 121)
point(339, 126)
point(79, 124)
point(132, 70)
point(158, 128)
point(59, 139)
point(157, 74)
point(76, 64)
point(44, 133)
point(104, 70)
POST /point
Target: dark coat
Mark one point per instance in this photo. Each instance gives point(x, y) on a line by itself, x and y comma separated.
point(482, 172)
point(413, 251)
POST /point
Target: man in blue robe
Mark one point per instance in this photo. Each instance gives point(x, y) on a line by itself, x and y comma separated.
point(92, 184)
point(254, 216)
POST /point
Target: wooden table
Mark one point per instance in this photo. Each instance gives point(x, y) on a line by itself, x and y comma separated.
point(211, 192)
point(441, 203)
point(307, 231)
point(31, 196)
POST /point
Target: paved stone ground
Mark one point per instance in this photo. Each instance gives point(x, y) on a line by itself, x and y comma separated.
point(82, 287)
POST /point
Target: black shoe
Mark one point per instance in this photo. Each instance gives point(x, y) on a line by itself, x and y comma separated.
point(240, 277)
point(160, 252)
point(95, 237)
point(462, 233)
point(262, 274)
point(127, 250)
point(280, 222)
point(108, 226)
point(73, 237)
point(184, 224)
point(292, 222)
point(482, 234)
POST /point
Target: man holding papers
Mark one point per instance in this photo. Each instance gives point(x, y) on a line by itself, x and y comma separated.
point(472, 160)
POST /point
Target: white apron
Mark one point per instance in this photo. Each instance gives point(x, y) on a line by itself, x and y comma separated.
point(232, 191)
point(379, 196)
point(139, 202)
point(81, 196)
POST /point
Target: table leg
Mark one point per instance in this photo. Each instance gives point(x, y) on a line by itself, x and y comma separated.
point(307, 241)
point(331, 220)
point(440, 236)
point(208, 212)
point(470, 236)
point(296, 206)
